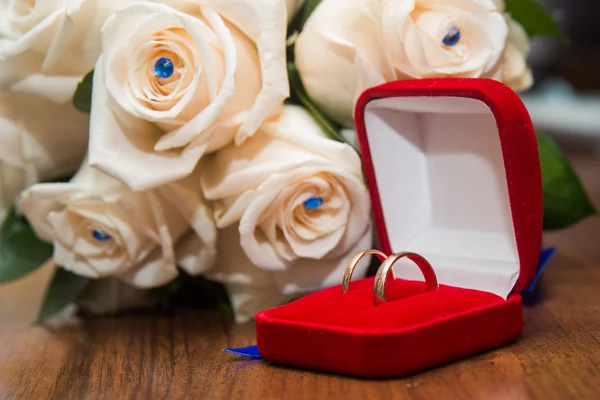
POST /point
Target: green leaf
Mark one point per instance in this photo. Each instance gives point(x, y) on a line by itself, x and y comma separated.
point(331, 128)
point(65, 288)
point(565, 199)
point(534, 18)
point(21, 252)
point(82, 99)
point(309, 7)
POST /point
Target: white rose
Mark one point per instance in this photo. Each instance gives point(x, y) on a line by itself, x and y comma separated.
point(514, 68)
point(178, 80)
point(349, 45)
point(295, 193)
point(39, 140)
point(252, 289)
point(47, 46)
point(515, 71)
point(101, 229)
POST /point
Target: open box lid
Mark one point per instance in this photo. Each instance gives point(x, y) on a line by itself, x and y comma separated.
point(454, 174)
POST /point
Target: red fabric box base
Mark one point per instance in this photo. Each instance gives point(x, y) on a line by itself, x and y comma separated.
point(415, 330)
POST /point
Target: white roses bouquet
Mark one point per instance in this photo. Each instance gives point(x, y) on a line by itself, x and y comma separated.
point(201, 159)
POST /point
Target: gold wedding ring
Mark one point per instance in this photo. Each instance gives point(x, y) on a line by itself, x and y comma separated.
point(431, 282)
point(354, 262)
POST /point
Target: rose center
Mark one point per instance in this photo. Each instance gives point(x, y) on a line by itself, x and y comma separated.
point(164, 68)
point(452, 37)
point(314, 203)
point(101, 236)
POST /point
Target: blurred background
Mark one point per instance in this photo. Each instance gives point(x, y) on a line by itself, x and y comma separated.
point(565, 101)
point(565, 104)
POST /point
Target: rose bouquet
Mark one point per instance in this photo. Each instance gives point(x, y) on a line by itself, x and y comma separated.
point(157, 145)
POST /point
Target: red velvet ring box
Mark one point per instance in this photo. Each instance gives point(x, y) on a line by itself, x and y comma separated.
point(453, 169)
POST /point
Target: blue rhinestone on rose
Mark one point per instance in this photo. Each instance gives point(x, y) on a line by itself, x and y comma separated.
point(164, 68)
point(452, 37)
point(101, 236)
point(314, 203)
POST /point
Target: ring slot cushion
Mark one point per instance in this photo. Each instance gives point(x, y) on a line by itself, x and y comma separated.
point(454, 175)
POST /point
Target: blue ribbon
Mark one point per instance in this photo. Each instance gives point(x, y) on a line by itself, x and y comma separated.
point(250, 352)
point(545, 258)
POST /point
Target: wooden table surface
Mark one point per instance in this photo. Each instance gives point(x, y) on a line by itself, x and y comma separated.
point(179, 356)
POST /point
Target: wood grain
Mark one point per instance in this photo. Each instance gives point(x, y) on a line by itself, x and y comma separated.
point(179, 356)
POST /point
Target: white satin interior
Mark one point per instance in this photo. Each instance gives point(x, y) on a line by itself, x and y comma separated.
point(443, 189)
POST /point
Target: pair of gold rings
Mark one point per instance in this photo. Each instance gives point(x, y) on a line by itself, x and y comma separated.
point(431, 282)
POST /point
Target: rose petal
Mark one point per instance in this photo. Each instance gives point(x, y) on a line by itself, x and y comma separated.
point(123, 146)
point(515, 71)
point(39, 201)
point(33, 38)
point(283, 144)
point(194, 255)
point(67, 260)
point(250, 289)
point(308, 275)
point(186, 196)
point(209, 115)
point(264, 21)
point(339, 34)
point(155, 271)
